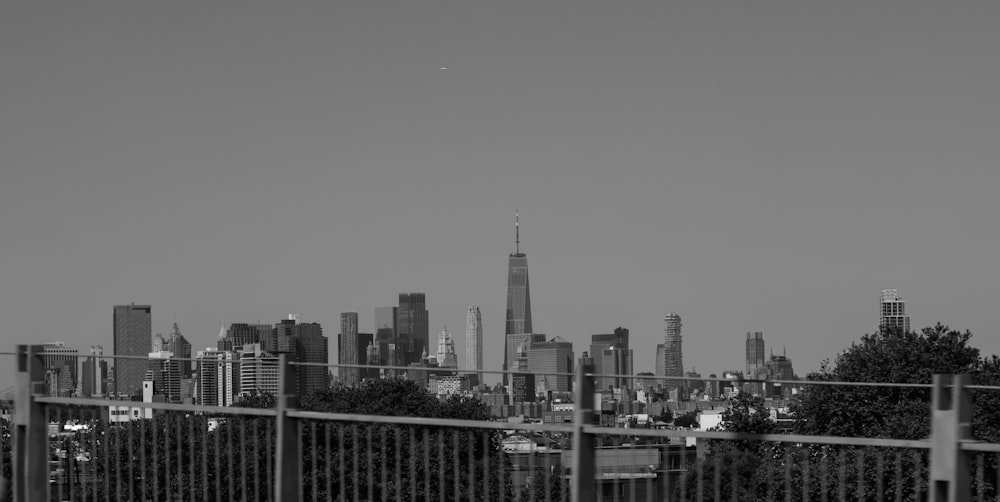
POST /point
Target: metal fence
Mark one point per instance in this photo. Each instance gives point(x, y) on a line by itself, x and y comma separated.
point(85, 449)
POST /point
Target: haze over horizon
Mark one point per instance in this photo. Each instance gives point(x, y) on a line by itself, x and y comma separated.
point(767, 166)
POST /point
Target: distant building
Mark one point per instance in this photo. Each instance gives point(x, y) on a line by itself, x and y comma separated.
point(218, 382)
point(350, 350)
point(258, 371)
point(445, 356)
point(61, 373)
point(176, 343)
point(240, 334)
point(546, 360)
point(474, 341)
point(893, 312)
point(673, 361)
point(518, 319)
point(304, 343)
point(412, 324)
point(165, 373)
point(133, 337)
point(517, 343)
point(616, 362)
point(95, 373)
point(755, 352)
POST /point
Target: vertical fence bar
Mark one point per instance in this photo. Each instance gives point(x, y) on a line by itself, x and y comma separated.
point(952, 423)
point(31, 466)
point(288, 450)
point(583, 443)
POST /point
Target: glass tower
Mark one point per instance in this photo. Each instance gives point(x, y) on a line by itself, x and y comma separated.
point(518, 296)
point(132, 337)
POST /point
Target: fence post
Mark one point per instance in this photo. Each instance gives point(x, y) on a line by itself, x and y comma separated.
point(31, 452)
point(288, 450)
point(952, 423)
point(583, 443)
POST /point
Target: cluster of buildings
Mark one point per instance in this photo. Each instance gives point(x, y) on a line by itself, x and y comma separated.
point(537, 369)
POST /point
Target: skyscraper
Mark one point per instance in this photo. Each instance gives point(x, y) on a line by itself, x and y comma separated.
point(240, 334)
point(547, 359)
point(518, 296)
point(755, 352)
point(350, 349)
point(181, 348)
point(412, 324)
point(474, 340)
point(133, 337)
point(61, 363)
point(95, 373)
point(673, 363)
point(893, 312)
point(445, 356)
point(619, 359)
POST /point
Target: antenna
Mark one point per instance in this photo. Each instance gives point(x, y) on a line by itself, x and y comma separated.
point(517, 233)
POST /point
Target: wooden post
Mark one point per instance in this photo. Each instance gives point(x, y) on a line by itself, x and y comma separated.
point(952, 424)
point(31, 452)
point(288, 450)
point(583, 443)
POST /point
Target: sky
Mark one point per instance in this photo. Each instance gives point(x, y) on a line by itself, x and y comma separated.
point(752, 166)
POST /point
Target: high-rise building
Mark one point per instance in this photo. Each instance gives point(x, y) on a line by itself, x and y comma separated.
point(258, 371)
point(95, 373)
point(660, 372)
point(133, 338)
point(412, 324)
point(518, 296)
point(755, 352)
point(474, 341)
point(673, 362)
point(165, 373)
point(619, 341)
point(446, 357)
point(893, 312)
point(240, 334)
point(350, 350)
point(218, 377)
point(546, 360)
point(61, 368)
point(181, 348)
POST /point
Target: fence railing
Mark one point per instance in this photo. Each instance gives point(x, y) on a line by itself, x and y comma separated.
point(67, 448)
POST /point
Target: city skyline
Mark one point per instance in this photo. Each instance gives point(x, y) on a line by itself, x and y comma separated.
point(667, 157)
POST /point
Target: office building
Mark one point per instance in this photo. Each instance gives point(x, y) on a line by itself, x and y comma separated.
point(95, 373)
point(445, 356)
point(240, 334)
point(660, 372)
point(518, 297)
point(61, 369)
point(474, 341)
point(350, 350)
point(258, 371)
point(546, 360)
point(133, 338)
point(619, 360)
point(755, 352)
point(165, 373)
point(181, 348)
point(673, 362)
point(412, 324)
point(893, 314)
point(218, 382)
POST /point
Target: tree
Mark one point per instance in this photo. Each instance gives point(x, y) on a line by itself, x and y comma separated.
point(689, 419)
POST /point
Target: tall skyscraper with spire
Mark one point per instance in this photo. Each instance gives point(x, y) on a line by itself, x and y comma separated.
point(518, 297)
point(474, 339)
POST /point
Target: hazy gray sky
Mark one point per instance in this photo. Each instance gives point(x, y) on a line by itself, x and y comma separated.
point(751, 166)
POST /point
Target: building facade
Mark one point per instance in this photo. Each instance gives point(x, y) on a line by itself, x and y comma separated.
point(619, 360)
point(474, 341)
point(412, 324)
point(95, 373)
point(673, 360)
point(893, 314)
point(518, 297)
point(133, 337)
point(546, 360)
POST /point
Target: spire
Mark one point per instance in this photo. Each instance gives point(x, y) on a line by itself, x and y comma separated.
point(222, 331)
point(517, 233)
